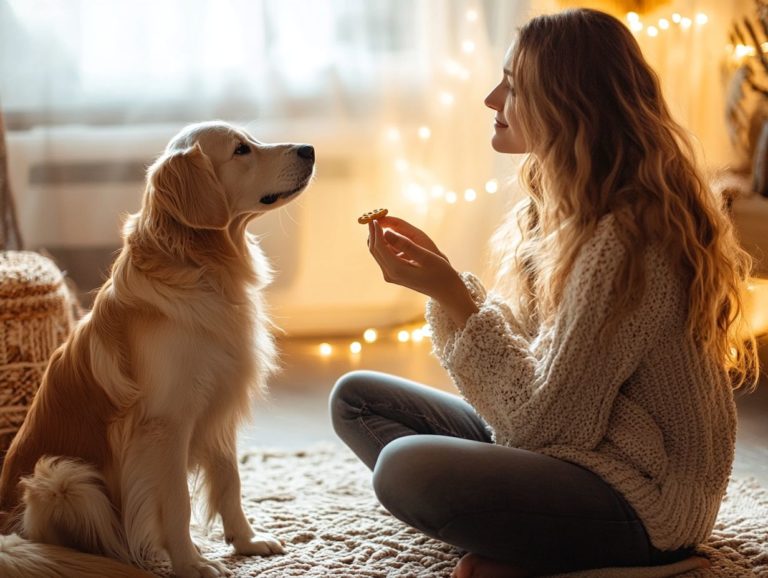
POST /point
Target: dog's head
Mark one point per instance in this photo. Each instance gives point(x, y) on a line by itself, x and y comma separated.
point(212, 173)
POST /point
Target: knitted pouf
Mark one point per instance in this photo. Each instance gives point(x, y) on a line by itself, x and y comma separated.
point(35, 318)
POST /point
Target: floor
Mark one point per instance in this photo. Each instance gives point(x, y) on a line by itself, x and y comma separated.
point(296, 414)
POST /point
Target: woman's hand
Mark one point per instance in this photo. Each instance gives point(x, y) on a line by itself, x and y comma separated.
point(415, 234)
point(408, 257)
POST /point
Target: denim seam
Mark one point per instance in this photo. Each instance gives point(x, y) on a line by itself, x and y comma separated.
point(369, 431)
point(432, 423)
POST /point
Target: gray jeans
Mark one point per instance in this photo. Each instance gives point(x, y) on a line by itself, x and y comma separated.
point(435, 468)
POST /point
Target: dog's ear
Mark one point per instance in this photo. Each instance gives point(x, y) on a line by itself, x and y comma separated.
point(184, 185)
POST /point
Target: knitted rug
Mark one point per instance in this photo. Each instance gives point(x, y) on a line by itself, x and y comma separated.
point(321, 504)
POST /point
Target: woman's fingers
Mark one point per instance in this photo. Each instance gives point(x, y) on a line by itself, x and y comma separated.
point(406, 262)
point(381, 249)
point(411, 232)
point(377, 245)
point(403, 245)
point(404, 228)
point(403, 260)
point(395, 260)
point(370, 236)
point(384, 255)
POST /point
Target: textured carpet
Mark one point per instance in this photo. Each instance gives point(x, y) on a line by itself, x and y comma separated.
point(320, 503)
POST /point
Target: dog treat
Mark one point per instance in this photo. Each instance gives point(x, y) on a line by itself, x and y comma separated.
point(372, 216)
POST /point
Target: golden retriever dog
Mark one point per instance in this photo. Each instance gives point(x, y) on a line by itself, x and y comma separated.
point(154, 381)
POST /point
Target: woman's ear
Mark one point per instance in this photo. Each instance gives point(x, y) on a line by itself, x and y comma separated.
point(184, 185)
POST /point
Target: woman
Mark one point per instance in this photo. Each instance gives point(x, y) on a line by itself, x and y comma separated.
point(597, 426)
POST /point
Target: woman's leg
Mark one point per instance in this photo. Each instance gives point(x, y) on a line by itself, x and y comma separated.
point(371, 409)
point(531, 511)
point(509, 505)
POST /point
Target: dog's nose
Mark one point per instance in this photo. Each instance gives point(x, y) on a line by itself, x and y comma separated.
point(306, 152)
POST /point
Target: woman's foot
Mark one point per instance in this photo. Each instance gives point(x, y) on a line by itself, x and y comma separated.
point(475, 566)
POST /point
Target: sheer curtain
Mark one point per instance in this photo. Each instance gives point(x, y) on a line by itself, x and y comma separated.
point(395, 86)
point(138, 60)
point(390, 91)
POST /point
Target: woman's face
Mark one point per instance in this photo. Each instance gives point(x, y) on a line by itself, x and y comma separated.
point(507, 136)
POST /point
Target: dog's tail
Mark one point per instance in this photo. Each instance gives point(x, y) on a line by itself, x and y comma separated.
point(21, 558)
point(66, 506)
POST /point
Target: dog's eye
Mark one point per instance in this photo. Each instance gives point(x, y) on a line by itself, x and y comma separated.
point(242, 149)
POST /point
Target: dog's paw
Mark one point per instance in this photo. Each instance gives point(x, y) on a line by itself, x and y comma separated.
point(201, 568)
point(258, 545)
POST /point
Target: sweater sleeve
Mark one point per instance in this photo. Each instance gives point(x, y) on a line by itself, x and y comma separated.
point(563, 383)
point(443, 327)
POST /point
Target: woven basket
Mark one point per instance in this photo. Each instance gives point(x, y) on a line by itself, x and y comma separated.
point(35, 318)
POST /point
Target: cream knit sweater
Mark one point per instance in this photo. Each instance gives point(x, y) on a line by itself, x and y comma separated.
point(649, 413)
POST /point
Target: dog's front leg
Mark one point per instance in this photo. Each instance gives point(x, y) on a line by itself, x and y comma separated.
point(223, 480)
point(157, 466)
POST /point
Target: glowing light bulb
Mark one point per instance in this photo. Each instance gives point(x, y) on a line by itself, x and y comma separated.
point(742, 50)
point(451, 66)
point(450, 197)
point(633, 17)
point(403, 336)
point(636, 26)
point(417, 336)
point(701, 18)
point(326, 349)
point(652, 31)
point(676, 18)
point(370, 335)
point(685, 23)
point(470, 195)
point(492, 186)
point(355, 347)
point(471, 15)
point(415, 193)
point(426, 330)
point(663, 23)
point(393, 134)
point(424, 132)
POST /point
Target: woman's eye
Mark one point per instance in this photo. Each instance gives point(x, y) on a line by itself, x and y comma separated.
point(242, 149)
point(510, 86)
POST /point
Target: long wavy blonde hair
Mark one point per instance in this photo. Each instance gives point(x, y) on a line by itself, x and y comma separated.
point(603, 141)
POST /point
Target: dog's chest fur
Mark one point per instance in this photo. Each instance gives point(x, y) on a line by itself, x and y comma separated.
point(196, 340)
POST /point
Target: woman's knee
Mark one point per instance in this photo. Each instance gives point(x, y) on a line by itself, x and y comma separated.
point(347, 395)
point(353, 392)
point(350, 398)
point(407, 480)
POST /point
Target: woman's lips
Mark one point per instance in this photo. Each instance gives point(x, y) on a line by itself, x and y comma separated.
point(498, 124)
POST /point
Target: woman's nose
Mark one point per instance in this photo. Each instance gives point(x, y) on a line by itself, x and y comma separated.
point(492, 100)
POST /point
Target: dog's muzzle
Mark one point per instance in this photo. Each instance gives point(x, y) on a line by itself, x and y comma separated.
point(307, 154)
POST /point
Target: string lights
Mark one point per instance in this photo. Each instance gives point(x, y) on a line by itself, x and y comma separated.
point(420, 186)
point(654, 27)
point(741, 52)
point(409, 333)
